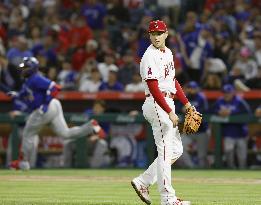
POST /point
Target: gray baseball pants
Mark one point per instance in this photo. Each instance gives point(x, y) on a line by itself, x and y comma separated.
point(55, 118)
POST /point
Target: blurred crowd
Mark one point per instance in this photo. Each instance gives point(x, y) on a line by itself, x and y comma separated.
point(96, 45)
point(93, 45)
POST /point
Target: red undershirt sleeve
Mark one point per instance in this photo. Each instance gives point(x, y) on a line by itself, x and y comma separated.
point(157, 94)
point(180, 94)
point(55, 90)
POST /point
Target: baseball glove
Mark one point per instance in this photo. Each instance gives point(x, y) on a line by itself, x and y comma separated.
point(193, 120)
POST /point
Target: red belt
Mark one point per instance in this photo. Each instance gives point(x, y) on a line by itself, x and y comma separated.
point(169, 95)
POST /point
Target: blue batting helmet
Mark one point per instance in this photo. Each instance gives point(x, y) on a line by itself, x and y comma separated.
point(29, 66)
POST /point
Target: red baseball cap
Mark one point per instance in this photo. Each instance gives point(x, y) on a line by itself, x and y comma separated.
point(157, 26)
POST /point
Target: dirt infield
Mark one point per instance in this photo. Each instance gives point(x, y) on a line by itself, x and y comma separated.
point(127, 179)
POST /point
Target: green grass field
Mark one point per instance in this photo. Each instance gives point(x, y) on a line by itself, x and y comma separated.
point(98, 187)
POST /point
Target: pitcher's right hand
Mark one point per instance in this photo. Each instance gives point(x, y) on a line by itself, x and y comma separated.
point(174, 118)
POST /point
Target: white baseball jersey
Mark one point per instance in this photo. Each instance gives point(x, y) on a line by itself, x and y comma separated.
point(157, 64)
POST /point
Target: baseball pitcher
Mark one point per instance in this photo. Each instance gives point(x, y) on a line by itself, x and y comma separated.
point(158, 75)
point(38, 93)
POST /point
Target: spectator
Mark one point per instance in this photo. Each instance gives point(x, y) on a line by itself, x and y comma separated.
point(136, 84)
point(107, 65)
point(17, 23)
point(190, 25)
point(128, 68)
point(94, 12)
point(253, 83)
point(35, 36)
point(7, 79)
point(91, 48)
point(2, 47)
point(258, 111)
point(47, 49)
point(97, 146)
point(180, 72)
point(98, 108)
point(216, 66)
point(117, 13)
point(67, 77)
point(197, 99)
point(143, 39)
point(18, 50)
point(81, 55)
point(128, 42)
point(172, 9)
point(198, 49)
point(85, 72)
point(244, 66)
point(254, 44)
point(92, 84)
point(3, 22)
point(257, 44)
point(3, 87)
point(235, 134)
point(52, 73)
point(222, 46)
point(37, 10)
point(212, 82)
point(24, 8)
point(79, 33)
point(233, 53)
point(104, 45)
point(51, 15)
point(113, 83)
point(43, 67)
point(205, 16)
point(139, 132)
point(68, 25)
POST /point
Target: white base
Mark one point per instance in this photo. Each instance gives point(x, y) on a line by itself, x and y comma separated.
point(186, 203)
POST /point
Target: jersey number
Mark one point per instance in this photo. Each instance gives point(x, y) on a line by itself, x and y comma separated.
point(166, 71)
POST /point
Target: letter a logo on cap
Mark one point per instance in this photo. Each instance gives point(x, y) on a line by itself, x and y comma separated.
point(156, 24)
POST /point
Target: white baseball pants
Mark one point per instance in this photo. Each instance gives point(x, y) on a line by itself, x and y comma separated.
point(169, 147)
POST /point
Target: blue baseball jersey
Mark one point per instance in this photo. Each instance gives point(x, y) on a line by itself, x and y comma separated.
point(20, 105)
point(191, 42)
point(237, 106)
point(36, 92)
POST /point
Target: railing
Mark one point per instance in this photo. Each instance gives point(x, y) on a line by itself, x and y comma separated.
point(81, 151)
point(111, 95)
